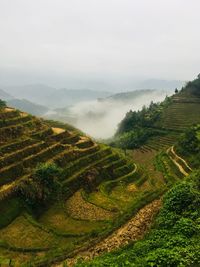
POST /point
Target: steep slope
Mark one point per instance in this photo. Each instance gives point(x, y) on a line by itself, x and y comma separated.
point(159, 125)
point(60, 191)
point(174, 239)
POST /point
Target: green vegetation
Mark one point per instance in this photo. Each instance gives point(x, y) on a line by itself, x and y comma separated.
point(174, 238)
point(2, 104)
point(61, 192)
point(53, 179)
point(193, 87)
point(166, 119)
point(189, 146)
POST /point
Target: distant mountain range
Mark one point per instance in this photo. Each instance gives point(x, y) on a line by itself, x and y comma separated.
point(128, 97)
point(4, 95)
point(55, 98)
point(23, 104)
point(39, 99)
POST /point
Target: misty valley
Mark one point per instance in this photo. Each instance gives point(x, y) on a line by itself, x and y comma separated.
point(99, 133)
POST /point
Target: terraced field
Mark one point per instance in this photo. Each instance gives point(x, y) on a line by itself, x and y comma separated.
point(101, 188)
point(181, 113)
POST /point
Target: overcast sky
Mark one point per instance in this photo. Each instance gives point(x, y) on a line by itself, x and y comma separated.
point(58, 42)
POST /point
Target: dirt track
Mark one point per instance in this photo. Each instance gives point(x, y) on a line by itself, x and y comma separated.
point(133, 230)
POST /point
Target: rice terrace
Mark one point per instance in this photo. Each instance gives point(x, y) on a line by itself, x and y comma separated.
point(99, 133)
point(65, 197)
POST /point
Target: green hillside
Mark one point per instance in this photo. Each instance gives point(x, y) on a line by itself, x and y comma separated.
point(165, 140)
point(65, 197)
point(159, 125)
point(60, 191)
point(174, 238)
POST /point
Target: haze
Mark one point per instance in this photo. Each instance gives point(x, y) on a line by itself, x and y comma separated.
point(100, 119)
point(104, 44)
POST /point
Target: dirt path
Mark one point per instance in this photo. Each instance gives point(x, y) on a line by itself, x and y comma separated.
point(186, 164)
point(179, 166)
point(133, 230)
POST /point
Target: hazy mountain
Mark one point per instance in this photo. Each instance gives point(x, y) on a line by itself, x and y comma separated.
point(66, 97)
point(160, 84)
point(27, 106)
point(55, 98)
point(130, 96)
point(100, 117)
point(35, 92)
point(4, 95)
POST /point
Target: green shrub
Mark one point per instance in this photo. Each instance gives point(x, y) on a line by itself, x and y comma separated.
point(179, 198)
point(2, 104)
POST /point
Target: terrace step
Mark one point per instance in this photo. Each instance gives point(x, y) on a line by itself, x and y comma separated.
point(21, 154)
point(14, 120)
point(13, 171)
point(4, 115)
point(83, 162)
point(12, 147)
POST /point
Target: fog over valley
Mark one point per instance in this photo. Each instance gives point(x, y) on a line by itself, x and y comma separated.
point(99, 118)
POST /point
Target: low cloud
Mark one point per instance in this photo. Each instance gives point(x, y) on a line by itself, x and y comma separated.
point(100, 118)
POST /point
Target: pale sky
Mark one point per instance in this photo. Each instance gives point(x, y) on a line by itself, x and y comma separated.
point(59, 41)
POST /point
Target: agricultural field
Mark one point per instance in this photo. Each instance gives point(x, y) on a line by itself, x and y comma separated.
point(93, 190)
point(65, 197)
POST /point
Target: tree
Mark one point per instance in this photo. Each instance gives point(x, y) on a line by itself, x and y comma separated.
point(46, 174)
point(176, 91)
point(2, 104)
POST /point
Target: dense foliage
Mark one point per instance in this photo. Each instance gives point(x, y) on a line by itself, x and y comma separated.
point(193, 87)
point(41, 186)
point(189, 145)
point(134, 138)
point(2, 104)
point(174, 239)
point(143, 118)
point(136, 128)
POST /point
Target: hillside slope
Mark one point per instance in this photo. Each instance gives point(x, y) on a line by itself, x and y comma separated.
point(61, 191)
point(159, 125)
point(174, 239)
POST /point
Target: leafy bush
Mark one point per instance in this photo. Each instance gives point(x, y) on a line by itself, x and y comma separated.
point(179, 198)
point(41, 186)
point(193, 87)
point(2, 104)
point(46, 174)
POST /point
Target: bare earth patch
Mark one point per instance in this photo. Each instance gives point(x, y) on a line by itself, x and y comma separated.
point(78, 208)
point(133, 230)
point(58, 130)
point(9, 109)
